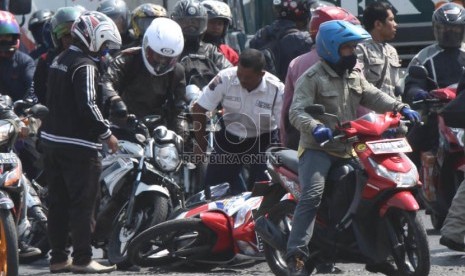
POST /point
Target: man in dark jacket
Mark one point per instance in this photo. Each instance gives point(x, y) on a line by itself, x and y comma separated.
point(72, 134)
point(148, 79)
point(289, 29)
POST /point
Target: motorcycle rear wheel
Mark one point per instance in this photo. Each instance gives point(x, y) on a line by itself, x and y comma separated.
point(410, 249)
point(9, 261)
point(151, 209)
point(182, 239)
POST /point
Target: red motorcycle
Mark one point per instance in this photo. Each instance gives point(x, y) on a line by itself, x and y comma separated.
point(443, 165)
point(368, 213)
point(211, 234)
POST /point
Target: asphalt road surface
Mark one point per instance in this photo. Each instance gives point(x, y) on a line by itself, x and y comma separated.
point(443, 262)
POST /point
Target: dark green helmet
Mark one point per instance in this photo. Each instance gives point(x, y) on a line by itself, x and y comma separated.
point(62, 21)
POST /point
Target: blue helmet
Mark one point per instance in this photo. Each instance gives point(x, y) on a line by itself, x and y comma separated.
point(333, 34)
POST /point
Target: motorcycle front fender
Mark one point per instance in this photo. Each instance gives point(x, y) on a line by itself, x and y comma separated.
point(218, 223)
point(142, 188)
point(5, 201)
point(403, 200)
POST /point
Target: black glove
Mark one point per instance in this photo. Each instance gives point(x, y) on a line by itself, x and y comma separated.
point(118, 109)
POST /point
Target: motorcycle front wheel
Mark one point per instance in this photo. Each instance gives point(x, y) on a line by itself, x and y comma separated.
point(281, 215)
point(150, 209)
point(409, 242)
point(9, 261)
point(182, 239)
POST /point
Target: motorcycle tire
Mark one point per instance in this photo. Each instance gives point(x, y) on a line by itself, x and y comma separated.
point(281, 215)
point(150, 209)
point(9, 263)
point(38, 234)
point(410, 250)
point(171, 241)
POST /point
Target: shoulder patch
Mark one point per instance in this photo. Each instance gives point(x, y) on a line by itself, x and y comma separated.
point(214, 83)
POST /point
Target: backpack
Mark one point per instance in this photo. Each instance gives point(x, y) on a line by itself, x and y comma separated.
point(200, 69)
point(271, 51)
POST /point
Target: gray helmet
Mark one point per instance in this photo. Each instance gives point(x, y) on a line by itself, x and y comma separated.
point(62, 21)
point(192, 17)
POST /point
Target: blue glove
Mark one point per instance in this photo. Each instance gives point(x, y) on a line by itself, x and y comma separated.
point(420, 95)
point(411, 115)
point(322, 133)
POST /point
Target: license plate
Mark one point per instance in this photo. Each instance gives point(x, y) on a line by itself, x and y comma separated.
point(8, 158)
point(389, 146)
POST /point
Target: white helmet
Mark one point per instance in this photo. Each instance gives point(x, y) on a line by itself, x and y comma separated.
point(162, 44)
point(95, 29)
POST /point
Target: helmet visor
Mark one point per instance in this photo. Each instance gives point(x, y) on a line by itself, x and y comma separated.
point(449, 36)
point(192, 26)
point(161, 64)
point(143, 23)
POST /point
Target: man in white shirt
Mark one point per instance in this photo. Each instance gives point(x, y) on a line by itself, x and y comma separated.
point(251, 99)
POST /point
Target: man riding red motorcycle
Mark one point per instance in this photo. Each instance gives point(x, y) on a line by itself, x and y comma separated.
point(335, 84)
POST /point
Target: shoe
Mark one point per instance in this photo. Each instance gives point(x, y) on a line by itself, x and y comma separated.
point(61, 267)
point(92, 267)
point(328, 268)
point(385, 268)
point(296, 266)
point(27, 251)
point(452, 244)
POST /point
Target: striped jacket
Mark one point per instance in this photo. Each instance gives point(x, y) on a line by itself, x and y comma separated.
point(74, 118)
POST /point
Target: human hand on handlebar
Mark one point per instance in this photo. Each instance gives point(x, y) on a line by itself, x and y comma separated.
point(411, 115)
point(322, 133)
point(421, 95)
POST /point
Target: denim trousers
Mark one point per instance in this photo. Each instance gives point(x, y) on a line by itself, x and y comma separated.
point(314, 166)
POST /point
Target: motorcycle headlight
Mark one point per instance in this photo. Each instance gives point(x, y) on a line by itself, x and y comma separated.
point(167, 157)
point(5, 133)
point(403, 180)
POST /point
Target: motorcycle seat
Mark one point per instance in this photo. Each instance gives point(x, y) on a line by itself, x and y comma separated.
point(289, 159)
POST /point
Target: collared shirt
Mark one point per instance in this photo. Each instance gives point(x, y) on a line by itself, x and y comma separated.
point(375, 56)
point(245, 114)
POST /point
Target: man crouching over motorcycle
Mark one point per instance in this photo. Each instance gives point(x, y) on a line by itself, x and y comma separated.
point(148, 80)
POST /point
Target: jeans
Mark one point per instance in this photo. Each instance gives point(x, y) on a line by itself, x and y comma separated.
point(314, 166)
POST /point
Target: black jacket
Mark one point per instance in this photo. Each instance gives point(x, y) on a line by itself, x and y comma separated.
point(74, 118)
point(143, 93)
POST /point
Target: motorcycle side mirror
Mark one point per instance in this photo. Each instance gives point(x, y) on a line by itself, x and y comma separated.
point(315, 109)
point(38, 111)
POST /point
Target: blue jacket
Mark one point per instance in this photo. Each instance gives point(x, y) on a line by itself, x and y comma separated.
point(16, 75)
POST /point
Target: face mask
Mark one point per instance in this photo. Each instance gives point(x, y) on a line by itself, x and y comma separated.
point(347, 62)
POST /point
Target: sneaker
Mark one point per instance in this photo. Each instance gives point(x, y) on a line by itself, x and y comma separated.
point(452, 244)
point(27, 251)
point(296, 266)
point(92, 267)
point(61, 267)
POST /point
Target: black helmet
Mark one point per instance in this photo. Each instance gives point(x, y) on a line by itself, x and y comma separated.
point(295, 10)
point(118, 11)
point(449, 25)
point(192, 17)
point(37, 21)
point(62, 21)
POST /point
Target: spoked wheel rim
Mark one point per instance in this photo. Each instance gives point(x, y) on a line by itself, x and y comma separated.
point(410, 245)
point(3, 250)
point(126, 234)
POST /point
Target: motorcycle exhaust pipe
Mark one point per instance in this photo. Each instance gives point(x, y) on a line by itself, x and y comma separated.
point(270, 233)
